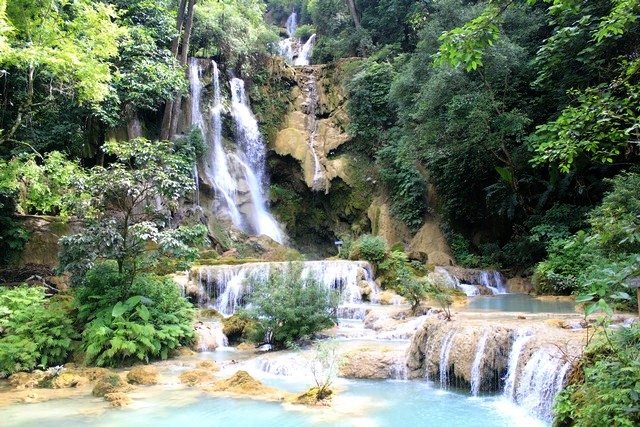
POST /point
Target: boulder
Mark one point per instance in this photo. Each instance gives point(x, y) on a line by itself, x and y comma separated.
point(313, 397)
point(143, 375)
point(432, 241)
point(522, 285)
point(209, 365)
point(66, 379)
point(243, 384)
point(24, 380)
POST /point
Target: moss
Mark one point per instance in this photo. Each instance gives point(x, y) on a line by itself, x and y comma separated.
point(313, 396)
point(195, 377)
point(110, 383)
point(237, 327)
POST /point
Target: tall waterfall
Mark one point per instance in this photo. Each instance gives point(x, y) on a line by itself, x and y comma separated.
point(225, 287)
point(238, 179)
point(312, 130)
point(291, 48)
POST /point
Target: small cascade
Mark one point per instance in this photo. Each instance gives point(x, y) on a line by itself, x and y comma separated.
point(494, 281)
point(304, 58)
point(476, 368)
point(225, 287)
point(474, 282)
point(520, 340)
point(445, 352)
point(209, 336)
point(542, 378)
point(287, 365)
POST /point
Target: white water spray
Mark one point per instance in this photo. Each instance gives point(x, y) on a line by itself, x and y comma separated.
point(476, 368)
point(304, 58)
point(445, 351)
point(521, 339)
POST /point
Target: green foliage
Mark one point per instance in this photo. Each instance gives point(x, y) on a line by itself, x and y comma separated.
point(369, 248)
point(288, 307)
point(413, 289)
point(128, 208)
point(610, 372)
point(234, 31)
point(131, 321)
point(596, 264)
point(305, 31)
point(34, 331)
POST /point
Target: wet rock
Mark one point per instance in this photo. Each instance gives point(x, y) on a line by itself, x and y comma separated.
point(117, 399)
point(196, 377)
point(389, 297)
point(143, 375)
point(24, 380)
point(522, 285)
point(209, 365)
point(314, 396)
point(243, 384)
point(65, 380)
point(111, 383)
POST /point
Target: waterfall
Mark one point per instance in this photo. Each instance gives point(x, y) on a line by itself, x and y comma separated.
point(521, 338)
point(251, 155)
point(494, 281)
point(445, 352)
point(292, 24)
point(312, 129)
point(209, 335)
point(476, 368)
point(304, 57)
point(227, 286)
point(453, 282)
point(541, 380)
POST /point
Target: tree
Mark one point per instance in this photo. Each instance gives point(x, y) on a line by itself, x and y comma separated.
point(126, 208)
point(413, 289)
point(288, 306)
point(324, 368)
point(69, 42)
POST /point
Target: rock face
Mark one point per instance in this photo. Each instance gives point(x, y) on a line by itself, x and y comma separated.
point(431, 241)
point(384, 224)
point(315, 125)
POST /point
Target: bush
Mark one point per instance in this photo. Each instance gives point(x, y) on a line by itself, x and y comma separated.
point(144, 320)
point(413, 289)
point(610, 370)
point(35, 331)
point(305, 31)
point(287, 307)
point(394, 269)
point(369, 248)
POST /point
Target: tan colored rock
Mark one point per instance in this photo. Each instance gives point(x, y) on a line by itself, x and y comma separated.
point(68, 379)
point(245, 346)
point(24, 380)
point(389, 297)
point(196, 377)
point(315, 396)
point(117, 399)
point(243, 384)
point(431, 240)
point(384, 224)
point(94, 373)
point(521, 285)
point(372, 363)
point(209, 365)
point(143, 375)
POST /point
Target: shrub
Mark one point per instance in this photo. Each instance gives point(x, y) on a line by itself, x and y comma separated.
point(369, 248)
point(394, 269)
point(288, 306)
point(305, 31)
point(141, 321)
point(35, 331)
point(610, 370)
point(413, 289)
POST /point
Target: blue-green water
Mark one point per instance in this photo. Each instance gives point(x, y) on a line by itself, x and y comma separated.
point(519, 303)
point(370, 403)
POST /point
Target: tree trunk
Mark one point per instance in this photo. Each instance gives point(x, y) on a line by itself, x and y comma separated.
point(354, 13)
point(165, 131)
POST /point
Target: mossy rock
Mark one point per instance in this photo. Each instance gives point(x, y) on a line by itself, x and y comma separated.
point(237, 327)
point(64, 380)
point(314, 396)
point(210, 313)
point(111, 383)
point(143, 375)
point(117, 399)
point(209, 365)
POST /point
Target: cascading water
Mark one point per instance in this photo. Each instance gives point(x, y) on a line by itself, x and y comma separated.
point(520, 340)
point(494, 281)
point(304, 58)
point(312, 129)
point(445, 352)
point(229, 174)
point(251, 155)
point(292, 24)
point(476, 368)
point(541, 380)
point(226, 286)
